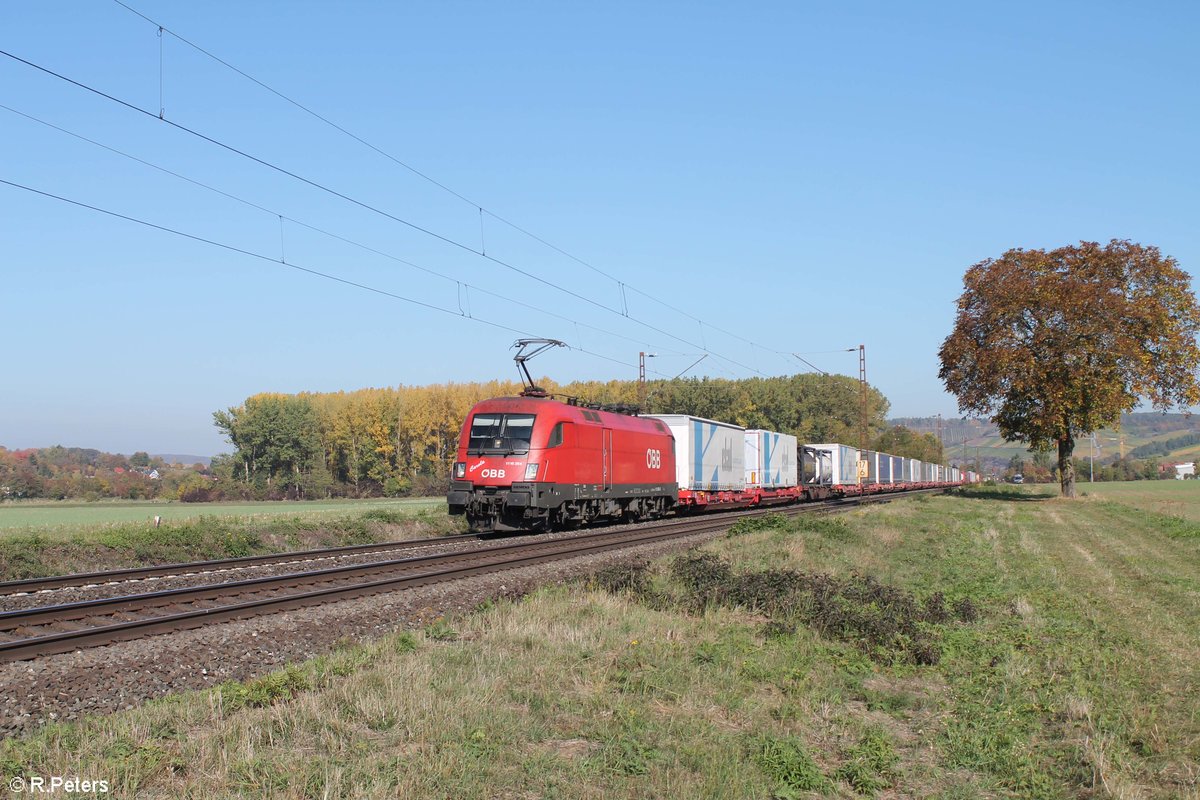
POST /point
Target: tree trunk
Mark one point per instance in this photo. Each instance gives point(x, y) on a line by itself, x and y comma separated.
point(1066, 467)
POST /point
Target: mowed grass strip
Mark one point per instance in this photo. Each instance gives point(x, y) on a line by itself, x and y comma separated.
point(69, 517)
point(1056, 659)
point(38, 553)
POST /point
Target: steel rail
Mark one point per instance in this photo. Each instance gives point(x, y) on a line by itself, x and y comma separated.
point(414, 572)
point(397, 574)
point(88, 579)
point(10, 620)
point(78, 579)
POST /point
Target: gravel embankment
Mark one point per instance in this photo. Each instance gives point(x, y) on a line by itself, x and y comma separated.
point(106, 679)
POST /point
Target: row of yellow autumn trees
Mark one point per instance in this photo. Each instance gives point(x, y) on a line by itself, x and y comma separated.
point(403, 439)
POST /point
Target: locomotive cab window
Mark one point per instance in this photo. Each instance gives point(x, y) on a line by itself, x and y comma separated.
point(556, 436)
point(500, 434)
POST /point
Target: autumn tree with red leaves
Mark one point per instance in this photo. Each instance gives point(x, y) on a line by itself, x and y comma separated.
point(1053, 345)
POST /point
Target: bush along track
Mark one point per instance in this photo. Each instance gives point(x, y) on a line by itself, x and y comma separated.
point(889, 625)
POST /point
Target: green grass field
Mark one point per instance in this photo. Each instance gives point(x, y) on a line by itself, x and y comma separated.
point(40, 516)
point(1169, 497)
point(58, 539)
point(1003, 645)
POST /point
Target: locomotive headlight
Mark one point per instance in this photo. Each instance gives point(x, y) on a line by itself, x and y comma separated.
point(530, 471)
point(460, 469)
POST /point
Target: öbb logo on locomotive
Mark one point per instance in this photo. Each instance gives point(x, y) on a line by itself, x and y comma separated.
point(654, 459)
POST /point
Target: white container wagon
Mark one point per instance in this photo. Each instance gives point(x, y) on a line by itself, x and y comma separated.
point(879, 468)
point(770, 459)
point(872, 460)
point(844, 461)
point(709, 455)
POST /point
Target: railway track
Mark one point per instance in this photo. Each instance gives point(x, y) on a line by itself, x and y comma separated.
point(115, 576)
point(48, 630)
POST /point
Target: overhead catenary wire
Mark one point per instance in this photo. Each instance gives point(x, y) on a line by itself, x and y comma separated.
point(308, 110)
point(283, 217)
point(366, 206)
point(622, 285)
point(284, 171)
point(379, 150)
point(292, 265)
point(809, 363)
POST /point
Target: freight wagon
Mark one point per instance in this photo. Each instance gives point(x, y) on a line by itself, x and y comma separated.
point(879, 467)
point(770, 459)
point(843, 461)
point(709, 455)
point(719, 465)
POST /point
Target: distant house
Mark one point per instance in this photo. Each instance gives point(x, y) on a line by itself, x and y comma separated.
point(1182, 469)
point(152, 475)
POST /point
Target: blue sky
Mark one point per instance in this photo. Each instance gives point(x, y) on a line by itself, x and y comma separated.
point(806, 176)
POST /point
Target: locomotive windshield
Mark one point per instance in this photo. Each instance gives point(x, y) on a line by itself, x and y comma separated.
point(500, 434)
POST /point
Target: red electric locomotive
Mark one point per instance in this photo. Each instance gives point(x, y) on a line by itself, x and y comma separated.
point(536, 463)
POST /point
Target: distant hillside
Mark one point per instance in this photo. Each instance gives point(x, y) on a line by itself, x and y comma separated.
point(186, 460)
point(1143, 435)
point(59, 473)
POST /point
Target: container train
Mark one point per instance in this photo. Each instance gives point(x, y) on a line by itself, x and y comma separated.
point(535, 463)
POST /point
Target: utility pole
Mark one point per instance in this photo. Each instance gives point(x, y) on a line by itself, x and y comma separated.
point(641, 378)
point(641, 388)
point(1091, 459)
point(862, 397)
point(863, 443)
